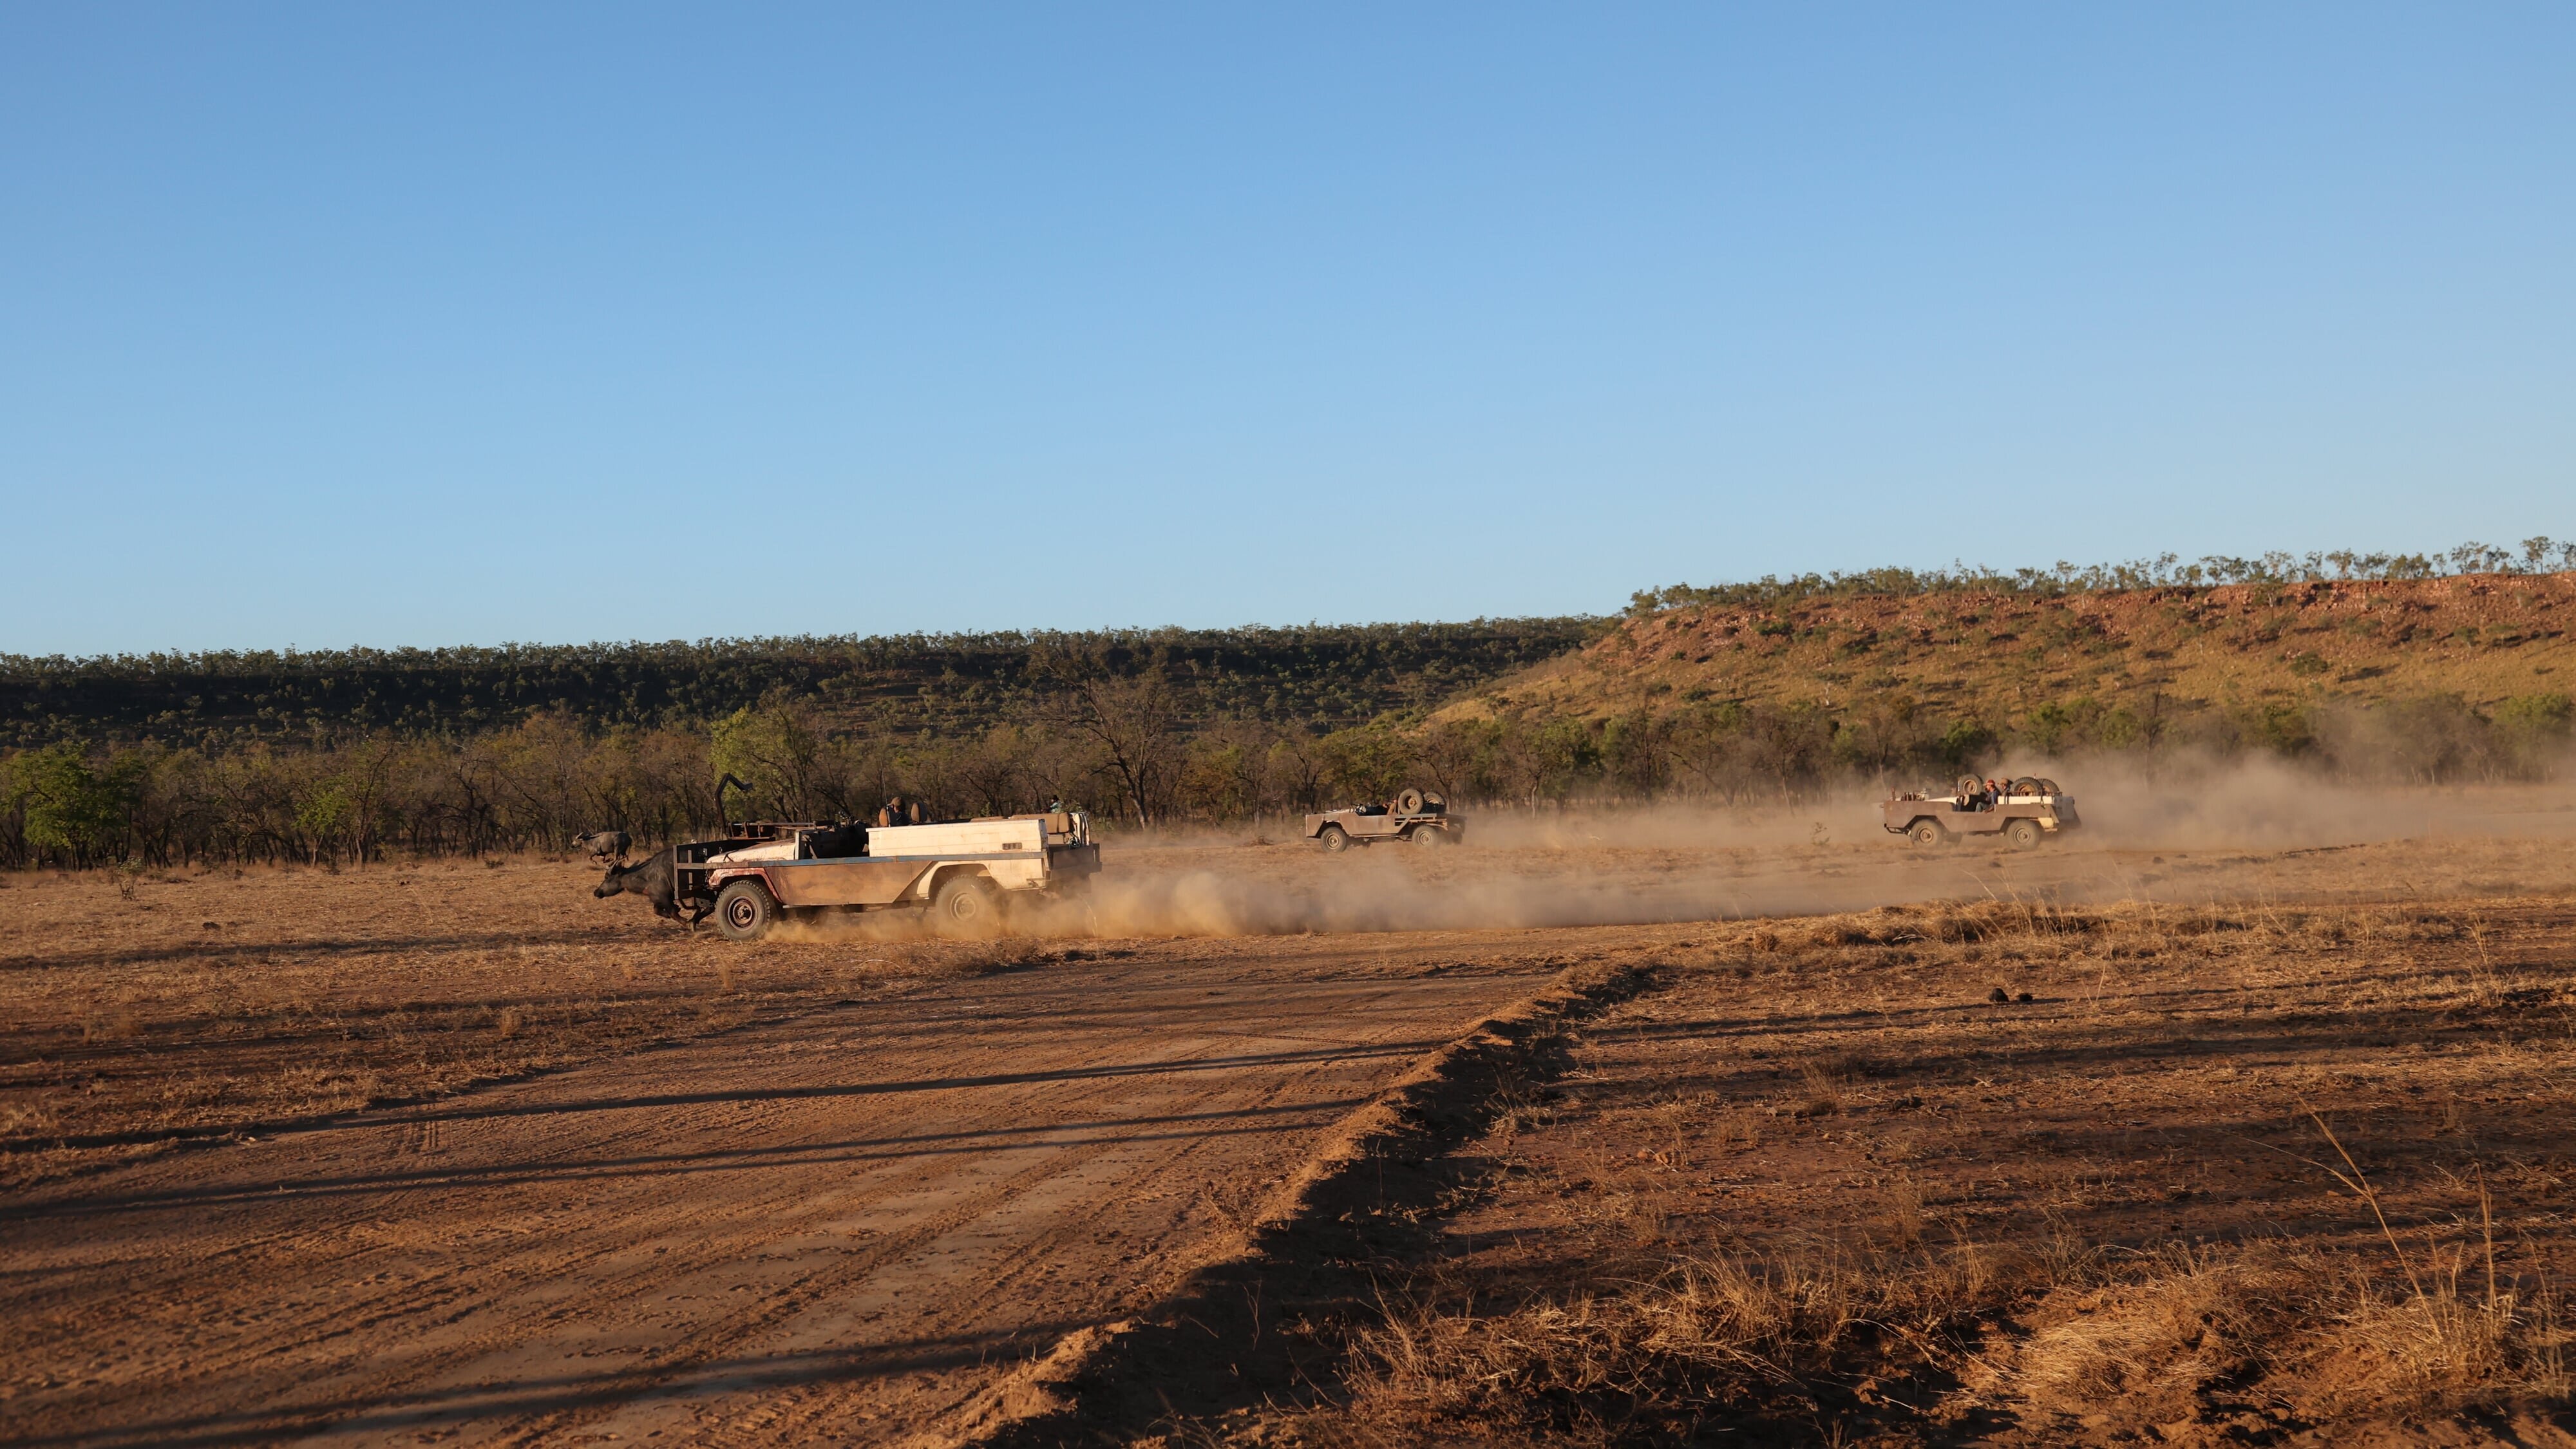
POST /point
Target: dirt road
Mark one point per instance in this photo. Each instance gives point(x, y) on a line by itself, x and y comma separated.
point(835, 1226)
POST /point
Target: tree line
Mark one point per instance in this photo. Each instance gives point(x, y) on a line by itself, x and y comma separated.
point(1329, 674)
point(1134, 748)
point(2538, 555)
point(350, 756)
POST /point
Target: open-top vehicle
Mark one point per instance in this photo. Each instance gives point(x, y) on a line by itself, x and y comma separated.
point(2024, 812)
point(1419, 816)
point(766, 871)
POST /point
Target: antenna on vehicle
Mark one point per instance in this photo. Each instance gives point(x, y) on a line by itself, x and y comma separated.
point(720, 789)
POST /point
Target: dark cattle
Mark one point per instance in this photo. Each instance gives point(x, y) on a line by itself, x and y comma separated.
point(653, 878)
point(604, 845)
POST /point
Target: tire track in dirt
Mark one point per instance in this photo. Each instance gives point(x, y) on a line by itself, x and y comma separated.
point(601, 1295)
point(1223, 1341)
point(715, 1393)
point(292, 1330)
point(857, 1212)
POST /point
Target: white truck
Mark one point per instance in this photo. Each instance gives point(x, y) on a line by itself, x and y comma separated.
point(766, 871)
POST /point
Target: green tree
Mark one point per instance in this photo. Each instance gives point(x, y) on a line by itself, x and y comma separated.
point(1966, 744)
point(72, 809)
point(1370, 762)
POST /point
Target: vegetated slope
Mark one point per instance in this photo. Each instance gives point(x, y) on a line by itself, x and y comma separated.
point(1328, 675)
point(2158, 652)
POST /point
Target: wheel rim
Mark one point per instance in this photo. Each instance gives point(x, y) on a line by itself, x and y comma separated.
point(743, 913)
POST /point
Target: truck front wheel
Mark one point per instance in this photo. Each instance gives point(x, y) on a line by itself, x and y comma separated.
point(965, 906)
point(1928, 834)
point(2024, 834)
point(744, 911)
point(1334, 839)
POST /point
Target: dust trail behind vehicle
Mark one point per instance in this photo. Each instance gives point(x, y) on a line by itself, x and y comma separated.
point(2253, 831)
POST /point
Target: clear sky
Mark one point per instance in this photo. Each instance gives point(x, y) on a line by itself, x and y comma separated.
point(445, 323)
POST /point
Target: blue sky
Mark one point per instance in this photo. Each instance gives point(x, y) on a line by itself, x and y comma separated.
point(385, 324)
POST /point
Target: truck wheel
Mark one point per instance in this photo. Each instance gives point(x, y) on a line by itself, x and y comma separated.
point(1334, 839)
point(965, 906)
point(1409, 803)
point(1927, 834)
point(744, 911)
point(2024, 834)
point(1429, 835)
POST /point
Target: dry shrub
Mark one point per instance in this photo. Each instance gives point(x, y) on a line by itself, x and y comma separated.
point(2078, 1341)
point(2316, 1331)
point(1824, 1083)
point(507, 1024)
point(1974, 921)
point(2188, 1323)
point(2454, 1344)
point(1758, 1336)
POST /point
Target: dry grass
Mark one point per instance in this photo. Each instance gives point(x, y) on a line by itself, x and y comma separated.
point(2232, 1173)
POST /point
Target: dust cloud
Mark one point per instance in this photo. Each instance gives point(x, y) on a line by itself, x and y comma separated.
point(2186, 804)
point(2205, 832)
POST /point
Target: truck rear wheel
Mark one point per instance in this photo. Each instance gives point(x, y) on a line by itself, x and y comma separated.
point(1334, 839)
point(1429, 835)
point(1927, 834)
point(744, 911)
point(965, 906)
point(2024, 834)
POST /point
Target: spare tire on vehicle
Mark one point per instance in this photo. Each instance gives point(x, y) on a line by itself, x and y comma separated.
point(1967, 787)
point(1409, 803)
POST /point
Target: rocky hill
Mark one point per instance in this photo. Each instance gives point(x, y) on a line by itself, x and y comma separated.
point(1997, 657)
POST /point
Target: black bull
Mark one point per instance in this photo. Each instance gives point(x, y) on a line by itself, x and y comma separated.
point(655, 878)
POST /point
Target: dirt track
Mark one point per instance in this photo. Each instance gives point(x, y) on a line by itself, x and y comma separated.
point(818, 1190)
point(831, 1226)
